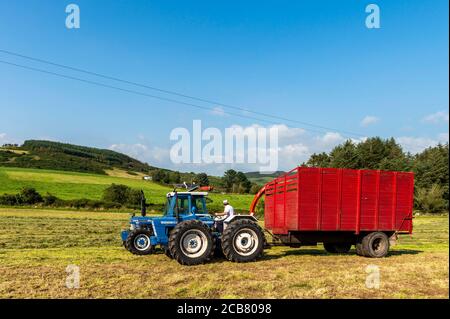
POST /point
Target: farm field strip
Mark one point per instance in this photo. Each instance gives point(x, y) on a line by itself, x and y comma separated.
point(72, 185)
point(42, 243)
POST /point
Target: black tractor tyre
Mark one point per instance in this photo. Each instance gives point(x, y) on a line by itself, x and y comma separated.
point(124, 243)
point(329, 247)
point(218, 253)
point(375, 245)
point(337, 248)
point(359, 249)
point(243, 241)
point(191, 243)
point(167, 252)
point(138, 242)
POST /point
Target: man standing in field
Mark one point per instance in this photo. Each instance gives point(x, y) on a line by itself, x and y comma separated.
point(228, 211)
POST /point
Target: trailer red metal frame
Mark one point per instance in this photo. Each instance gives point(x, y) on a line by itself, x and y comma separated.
point(327, 199)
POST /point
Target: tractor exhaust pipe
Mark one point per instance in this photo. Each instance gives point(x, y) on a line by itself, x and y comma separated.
point(143, 204)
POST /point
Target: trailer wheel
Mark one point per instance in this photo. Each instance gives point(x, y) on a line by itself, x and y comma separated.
point(359, 249)
point(138, 242)
point(243, 241)
point(337, 248)
point(375, 245)
point(191, 243)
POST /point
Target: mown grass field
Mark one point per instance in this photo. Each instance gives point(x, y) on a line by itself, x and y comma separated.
point(72, 185)
point(37, 245)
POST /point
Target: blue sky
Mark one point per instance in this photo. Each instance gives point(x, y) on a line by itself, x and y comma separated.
point(312, 61)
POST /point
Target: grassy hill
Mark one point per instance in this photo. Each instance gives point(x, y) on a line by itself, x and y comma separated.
point(68, 157)
point(72, 172)
point(75, 185)
point(261, 179)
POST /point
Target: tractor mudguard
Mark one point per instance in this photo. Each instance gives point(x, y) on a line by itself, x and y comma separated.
point(238, 217)
point(124, 234)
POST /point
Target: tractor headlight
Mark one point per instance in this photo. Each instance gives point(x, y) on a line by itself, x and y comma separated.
point(132, 227)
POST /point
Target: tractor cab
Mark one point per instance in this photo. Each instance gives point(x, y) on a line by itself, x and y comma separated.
point(155, 230)
point(183, 204)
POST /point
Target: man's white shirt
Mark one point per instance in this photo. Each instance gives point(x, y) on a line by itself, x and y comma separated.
point(229, 210)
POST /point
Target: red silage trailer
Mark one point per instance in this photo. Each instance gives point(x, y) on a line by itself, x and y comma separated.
point(340, 208)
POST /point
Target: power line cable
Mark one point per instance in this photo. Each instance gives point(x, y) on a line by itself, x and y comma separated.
point(141, 93)
point(177, 93)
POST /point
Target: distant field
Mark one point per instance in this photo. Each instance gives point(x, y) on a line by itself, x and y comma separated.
point(72, 185)
point(260, 180)
point(37, 245)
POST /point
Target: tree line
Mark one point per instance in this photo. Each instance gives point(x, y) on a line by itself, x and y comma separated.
point(115, 196)
point(231, 182)
point(430, 166)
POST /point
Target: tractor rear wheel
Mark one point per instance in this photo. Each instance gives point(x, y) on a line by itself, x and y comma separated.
point(218, 253)
point(243, 241)
point(167, 252)
point(191, 243)
point(337, 248)
point(138, 242)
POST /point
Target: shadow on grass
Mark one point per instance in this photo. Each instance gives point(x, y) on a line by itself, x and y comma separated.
point(404, 252)
point(321, 252)
point(308, 252)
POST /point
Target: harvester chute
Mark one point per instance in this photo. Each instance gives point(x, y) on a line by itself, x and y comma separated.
point(256, 200)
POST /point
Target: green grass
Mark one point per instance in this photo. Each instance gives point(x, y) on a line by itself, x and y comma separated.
point(260, 180)
point(37, 245)
point(73, 185)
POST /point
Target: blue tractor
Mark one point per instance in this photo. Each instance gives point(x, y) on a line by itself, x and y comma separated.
point(189, 234)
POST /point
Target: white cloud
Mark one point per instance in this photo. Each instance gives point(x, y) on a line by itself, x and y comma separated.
point(369, 120)
point(415, 144)
point(418, 144)
point(6, 139)
point(295, 146)
point(436, 118)
point(218, 111)
point(292, 155)
point(153, 155)
point(443, 137)
point(330, 139)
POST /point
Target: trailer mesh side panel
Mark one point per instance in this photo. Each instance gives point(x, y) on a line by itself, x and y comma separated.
point(330, 199)
point(349, 199)
point(310, 186)
point(386, 200)
point(368, 200)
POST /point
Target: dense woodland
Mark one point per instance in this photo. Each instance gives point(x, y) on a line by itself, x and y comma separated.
point(431, 166)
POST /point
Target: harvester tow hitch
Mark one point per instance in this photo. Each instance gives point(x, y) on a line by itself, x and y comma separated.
point(275, 240)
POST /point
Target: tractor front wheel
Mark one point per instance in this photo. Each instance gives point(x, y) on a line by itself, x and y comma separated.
point(191, 243)
point(243, 241)
point(138, 242)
